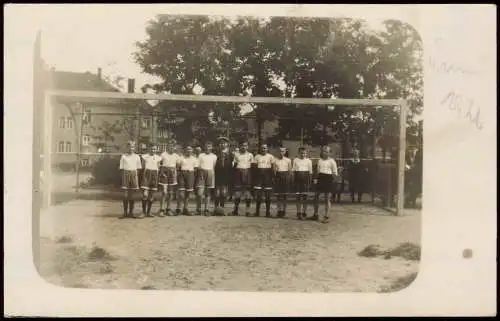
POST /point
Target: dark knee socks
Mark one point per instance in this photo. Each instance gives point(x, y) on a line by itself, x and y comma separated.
point(268, 201)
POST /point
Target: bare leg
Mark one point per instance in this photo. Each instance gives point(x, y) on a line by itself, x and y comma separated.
point(237, 200)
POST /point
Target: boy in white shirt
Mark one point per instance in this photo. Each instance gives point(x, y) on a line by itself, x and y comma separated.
point(149, 184)
point(168, 177)
point(263, 179)
point(303, 169)
point(205, 180)
point(325, 176)
point(130, 163)
point(188, 165)
point(283, 172)
point(242, 184)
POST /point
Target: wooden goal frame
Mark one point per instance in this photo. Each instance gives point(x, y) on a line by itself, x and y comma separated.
point(49, 95)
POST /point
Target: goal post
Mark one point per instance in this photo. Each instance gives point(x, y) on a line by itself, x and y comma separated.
point(92, 96)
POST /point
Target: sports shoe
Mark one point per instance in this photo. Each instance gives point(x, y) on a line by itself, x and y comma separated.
point(326, 219)
point(160, 213)
point(177, 212)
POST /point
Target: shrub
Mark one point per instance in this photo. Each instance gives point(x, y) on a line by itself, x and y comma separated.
point(407, 251)
point(105, 171)
point(371, 251)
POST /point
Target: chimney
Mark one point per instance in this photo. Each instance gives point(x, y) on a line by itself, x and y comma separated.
point(99, 73)
point(131, 86)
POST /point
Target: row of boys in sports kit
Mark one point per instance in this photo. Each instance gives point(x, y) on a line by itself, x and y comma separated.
point(210, 171)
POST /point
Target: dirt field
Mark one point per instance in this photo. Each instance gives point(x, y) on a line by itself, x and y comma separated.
point(86, 244)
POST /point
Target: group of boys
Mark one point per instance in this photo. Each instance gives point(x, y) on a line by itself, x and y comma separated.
point(207, 173)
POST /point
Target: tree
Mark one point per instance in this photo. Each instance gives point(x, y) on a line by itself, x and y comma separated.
point(285, 57)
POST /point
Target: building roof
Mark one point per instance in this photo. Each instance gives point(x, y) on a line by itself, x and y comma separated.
point(87, 81)
point(83, 81)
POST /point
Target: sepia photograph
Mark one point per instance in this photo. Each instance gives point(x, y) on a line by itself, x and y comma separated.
point(229, 153)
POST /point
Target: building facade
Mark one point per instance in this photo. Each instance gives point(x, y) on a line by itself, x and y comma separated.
point(84, 131)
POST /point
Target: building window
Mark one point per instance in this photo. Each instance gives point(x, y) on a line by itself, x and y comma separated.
point(85, 162)
point(86, 113)
point(163, 133)
point(85, 140)
point(62, 122)
point(145, 123)
point(69, 122)
point(163, 147)
point(64, 147)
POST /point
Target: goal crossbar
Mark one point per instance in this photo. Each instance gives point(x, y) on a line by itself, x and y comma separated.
point(89, 95)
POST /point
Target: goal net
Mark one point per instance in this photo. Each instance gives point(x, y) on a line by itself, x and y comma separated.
point(85, 133)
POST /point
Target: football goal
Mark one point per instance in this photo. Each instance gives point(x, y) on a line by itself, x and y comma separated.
point(134, 120)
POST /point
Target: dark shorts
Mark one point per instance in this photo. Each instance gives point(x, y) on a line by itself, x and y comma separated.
point(263, 178)
point(130, 180)
point(302, 182)
point(282, 182)
point(150, 180)
point(186, 181)
point(326, 183)
point(242, 179)
point(168, 176)
point(205, 178)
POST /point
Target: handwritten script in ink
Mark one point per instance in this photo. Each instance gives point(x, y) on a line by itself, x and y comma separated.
point(461, 105)
point(444, 67)
point(464, 107)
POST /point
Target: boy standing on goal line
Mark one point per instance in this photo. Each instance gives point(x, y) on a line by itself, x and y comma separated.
point(283, 173)
point(188, 166)
point(264, 179)
point(205, 181)
point(302, 168)
point(326, 173)
point(149, 180)
point(168, 178)
point(242, 166)
point(130, 163)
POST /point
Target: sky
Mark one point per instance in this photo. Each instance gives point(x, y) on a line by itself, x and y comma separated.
point(84, 39)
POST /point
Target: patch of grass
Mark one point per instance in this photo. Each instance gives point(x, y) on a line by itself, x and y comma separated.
point(97, 253)
point(65, 239)
point(399, 283)
point(407, 251)
point(148, 287)
point(371, 250)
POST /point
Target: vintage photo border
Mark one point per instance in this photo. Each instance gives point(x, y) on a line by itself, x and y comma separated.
point(459, 215)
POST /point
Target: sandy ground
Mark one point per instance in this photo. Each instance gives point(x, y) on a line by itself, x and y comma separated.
point(223, 253)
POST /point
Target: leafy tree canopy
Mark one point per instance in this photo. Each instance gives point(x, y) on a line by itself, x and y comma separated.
point(285, 57)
